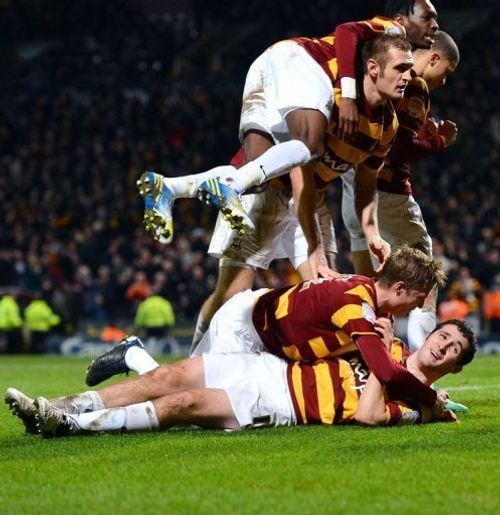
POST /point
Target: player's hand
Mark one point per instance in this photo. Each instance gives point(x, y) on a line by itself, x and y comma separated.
point(319, 264)
point(429, 129)
point(380, 249)
point(440, 406)
point(449, 131)
point(348, 119)
point(448, 416)
point(385, 329)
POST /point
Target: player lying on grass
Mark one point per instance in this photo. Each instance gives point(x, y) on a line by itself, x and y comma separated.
point(238, 390)
point(313, 320)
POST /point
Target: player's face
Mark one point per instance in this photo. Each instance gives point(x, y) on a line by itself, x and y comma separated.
point(443, 349)
point(421, 25)
point(437, 74)
point(393, 79)
point(404, 300)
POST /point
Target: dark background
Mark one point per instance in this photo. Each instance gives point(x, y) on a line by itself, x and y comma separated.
point(92, 93)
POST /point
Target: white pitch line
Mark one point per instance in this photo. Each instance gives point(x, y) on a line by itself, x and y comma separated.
point(471, 387)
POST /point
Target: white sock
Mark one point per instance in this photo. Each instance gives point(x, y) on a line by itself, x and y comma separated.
point(139, 360)
point(79, 403)
point(272, 163)
point(199, 331)
point(421, 323)
point(137, 417)
point(187, 185)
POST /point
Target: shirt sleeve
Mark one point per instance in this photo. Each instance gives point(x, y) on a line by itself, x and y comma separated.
point(348, 38)
point(408, 147)
point(402, 414)
point(382, 364)
point(412, 111)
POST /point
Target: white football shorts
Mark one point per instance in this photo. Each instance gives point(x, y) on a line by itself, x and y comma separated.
point(399, 217)
point(277, 233)
point(231, 328)
point(256, 385)
point(282, 79)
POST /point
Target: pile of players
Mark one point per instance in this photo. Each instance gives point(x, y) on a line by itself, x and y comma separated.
point(353, 104)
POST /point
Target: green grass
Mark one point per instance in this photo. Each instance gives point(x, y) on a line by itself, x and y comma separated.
point(440, 468)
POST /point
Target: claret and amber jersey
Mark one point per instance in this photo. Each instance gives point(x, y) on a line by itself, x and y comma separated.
point(326, 318)
point(377, 126)
point(350, 35)
point(339, 48)
point(376, 134)
point(412, 111)
point(328, 391)
point(316, 319)
point(377, 130)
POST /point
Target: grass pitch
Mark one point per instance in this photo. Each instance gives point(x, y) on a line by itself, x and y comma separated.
point(440, 468)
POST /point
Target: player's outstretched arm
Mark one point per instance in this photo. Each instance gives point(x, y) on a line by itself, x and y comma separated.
point(305, 198)
point(348, 39)
point(348, 36)
point(366, 209)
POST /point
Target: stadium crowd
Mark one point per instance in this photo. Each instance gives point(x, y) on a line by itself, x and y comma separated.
point(127, 90)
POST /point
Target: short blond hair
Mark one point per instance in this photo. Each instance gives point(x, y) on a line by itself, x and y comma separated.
point(414, 268)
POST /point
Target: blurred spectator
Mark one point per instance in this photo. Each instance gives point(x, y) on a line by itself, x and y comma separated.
point(154, 317)
point(453, 308)
point(466, 288)
point(139, 289)
point(39, 319)
point(491, 306)
point(10, 325)
point(112, 334)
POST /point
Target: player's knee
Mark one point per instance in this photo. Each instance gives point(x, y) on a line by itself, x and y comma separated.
point(171, 374)
point(317, 148)
point(308, 126)
point(313, 143)
point(191, 400)
point(159, 374)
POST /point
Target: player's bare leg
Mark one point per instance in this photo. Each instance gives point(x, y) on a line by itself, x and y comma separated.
point(307, 130)
point(207, 407)
point(308, 126)
point(255, 143)
point(204, 407)
point(362, 263)
point(164, 380)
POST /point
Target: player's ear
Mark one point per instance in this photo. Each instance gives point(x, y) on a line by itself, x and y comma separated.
point(401, 19)
point(457, 369)
point(373, 68)
point(400, 287)
point(435, 58)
